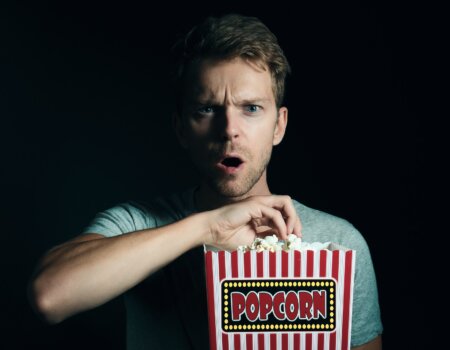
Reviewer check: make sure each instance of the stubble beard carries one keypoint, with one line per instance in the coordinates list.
(239, 185)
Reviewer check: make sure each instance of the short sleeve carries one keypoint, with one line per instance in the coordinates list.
(323, 227)
(366, 319)
(120, 219)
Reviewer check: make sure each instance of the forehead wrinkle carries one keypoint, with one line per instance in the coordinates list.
(224, 88)
(240, 97)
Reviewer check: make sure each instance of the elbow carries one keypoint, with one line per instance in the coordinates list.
(44, 301)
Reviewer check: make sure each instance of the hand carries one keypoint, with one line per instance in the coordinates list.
(240, 223)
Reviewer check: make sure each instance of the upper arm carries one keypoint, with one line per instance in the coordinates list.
(366, 318)
(374, 344)
(123, 218)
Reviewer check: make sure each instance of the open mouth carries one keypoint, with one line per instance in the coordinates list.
(231, 162)
(231, 165)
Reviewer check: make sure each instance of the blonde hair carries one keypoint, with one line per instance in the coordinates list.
(228, 37)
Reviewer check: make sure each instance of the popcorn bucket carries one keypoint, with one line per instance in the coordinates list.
(280, 300)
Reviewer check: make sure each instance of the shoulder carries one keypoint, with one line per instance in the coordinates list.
(162, 209)
(173, 206)
(324, 227)
(319, 226)
(135, 215)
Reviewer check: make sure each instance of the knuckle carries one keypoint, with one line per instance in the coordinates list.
(279, 215)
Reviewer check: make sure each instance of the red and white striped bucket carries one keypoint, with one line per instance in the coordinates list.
(280, 300)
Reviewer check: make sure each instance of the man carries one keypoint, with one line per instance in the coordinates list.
(230, 87)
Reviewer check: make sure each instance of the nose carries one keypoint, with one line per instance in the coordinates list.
(229, 128)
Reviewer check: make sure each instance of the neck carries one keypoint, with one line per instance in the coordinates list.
(208, 199)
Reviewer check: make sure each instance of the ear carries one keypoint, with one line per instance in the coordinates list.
(178, 126)
(280, 126)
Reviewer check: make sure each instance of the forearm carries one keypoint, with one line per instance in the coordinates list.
(78, 276)
(90, 270)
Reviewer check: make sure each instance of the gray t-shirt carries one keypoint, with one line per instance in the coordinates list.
(168, 309)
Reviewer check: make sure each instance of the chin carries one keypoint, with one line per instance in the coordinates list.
(231, 189)
(230, 192)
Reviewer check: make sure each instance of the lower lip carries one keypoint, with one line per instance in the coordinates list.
(229, 169)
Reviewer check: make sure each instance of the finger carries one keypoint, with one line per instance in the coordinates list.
(265, 222)
(298, 227)
(285, 205)
(267, 232)
(262, 222)
(276, 219)
(292, 217)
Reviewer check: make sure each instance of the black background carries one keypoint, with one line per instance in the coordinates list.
(85, 124)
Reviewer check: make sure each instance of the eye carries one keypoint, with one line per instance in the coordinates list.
(252, 108)
(205, 110)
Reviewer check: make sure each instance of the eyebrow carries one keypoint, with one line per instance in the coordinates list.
(249, 101)
(254, 101)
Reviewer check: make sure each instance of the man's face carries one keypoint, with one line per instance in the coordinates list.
(230, 123)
